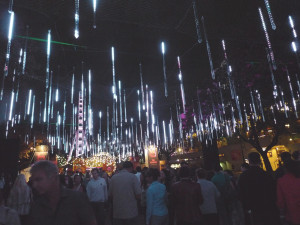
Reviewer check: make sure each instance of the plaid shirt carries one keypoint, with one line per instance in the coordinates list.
(186, 198)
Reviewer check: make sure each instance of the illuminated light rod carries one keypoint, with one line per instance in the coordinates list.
(48, 58)
(95, 8)
(11, 105)
(113, 73)
(29, 102)
(10, 31)
(208, 51)
(76, 31)
(267, 39)
(163, 51)
(294, 46)
(270, 14)
(197, 22)
(293, 26)
(181, 84)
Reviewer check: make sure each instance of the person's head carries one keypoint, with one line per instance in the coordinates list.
(77, 179)
(296, 155)
(218, 168)
(1, 197)
(209, 174)
(162, 176)
(184, 172)
(138, 169)
(152, 175)
(44, 177)
(184, 164)
(229, 173)
(127, 165)
(145, 169)
(293, 167)
(254, 159)
(244, 167)
(104, 175)
(285, 157)
(95, 173)
(201, 173)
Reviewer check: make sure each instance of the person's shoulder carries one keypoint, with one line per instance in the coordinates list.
(285, 178)
(176, 185)
(9, 211)
(115, 176)
(160, 185)
(102, 179)
(75, 195)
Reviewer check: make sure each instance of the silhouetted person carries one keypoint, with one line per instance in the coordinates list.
(281, 171)
(125, 190)
(56, 204)
(97, 194)
(186, 198)
(258, 195)
(157, 211)
(8, 216)
(296, 155)
(210, 195)
(288, 194)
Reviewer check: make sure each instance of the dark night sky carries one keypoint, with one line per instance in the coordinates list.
(136, 28)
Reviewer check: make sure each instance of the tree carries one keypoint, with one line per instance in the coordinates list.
(210, 154)
(167, 152)
(253, 138)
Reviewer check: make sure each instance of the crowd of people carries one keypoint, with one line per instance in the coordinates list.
(187, 196)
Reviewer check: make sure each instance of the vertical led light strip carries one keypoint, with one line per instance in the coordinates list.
(208, 51)
(197, 22)
(270, 14)
(76, 30)
(267, 39)
(181, 84)
(94, 8)
(164, 68)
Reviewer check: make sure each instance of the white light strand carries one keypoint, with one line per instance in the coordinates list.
(267, 39)
(208, 51)
(270, 14)
(76, 17)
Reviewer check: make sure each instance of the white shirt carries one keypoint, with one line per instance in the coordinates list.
(9, 216)
(2, 182)
(138, 176)
(124, 187)
(97, 190)
(210, 194)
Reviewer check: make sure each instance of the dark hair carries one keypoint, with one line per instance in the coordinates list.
(138, 169)
(218, 168)
(229, 172)
(168, 179)
(183, 163)
(95, 169)
(48, 167)
(245, 165)
(127, 165)
(184, 172)
(201, 173)
(254, 158)
(62, 178)
(154, 173)
(1, 196)
(295, 155)
(293, 167)
(285, 157)
(209, 174)
(78, 175)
